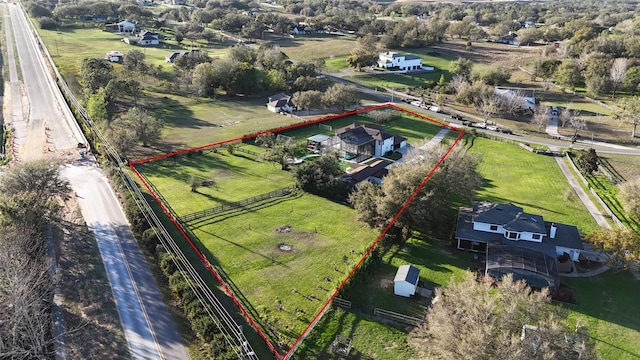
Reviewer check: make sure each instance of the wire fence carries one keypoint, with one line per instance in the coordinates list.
(212, 305)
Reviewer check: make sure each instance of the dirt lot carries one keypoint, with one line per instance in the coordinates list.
(489, 53)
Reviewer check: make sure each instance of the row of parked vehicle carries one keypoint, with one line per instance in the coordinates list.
(424, 105)
(479, 125)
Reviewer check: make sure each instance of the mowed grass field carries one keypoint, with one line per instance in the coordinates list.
(282, 289)
(607, 305)
(244, 242)
(320, 46)
(532, 181)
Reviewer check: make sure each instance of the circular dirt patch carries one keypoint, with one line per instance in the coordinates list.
(285, 247)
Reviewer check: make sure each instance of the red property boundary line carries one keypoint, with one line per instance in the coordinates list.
(289, 127)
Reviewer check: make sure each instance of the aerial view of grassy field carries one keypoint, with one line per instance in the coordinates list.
(282, 260)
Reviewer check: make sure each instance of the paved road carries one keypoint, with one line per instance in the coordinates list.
(46, 129)
(562, 143)
(148, 327)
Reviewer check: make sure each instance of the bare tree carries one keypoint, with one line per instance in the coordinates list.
(25, 320)
(577, 123)
(618, 72)
(630, 196)
(510, 103)
(469, 320)
(541, 117)
(486, 103)
(564, 115)
(456, 82)
(628, 111)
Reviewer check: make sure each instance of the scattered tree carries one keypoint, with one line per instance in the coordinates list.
(457, 175)
(470, 320)
(311, 99)
(320, 177)
(541, 117)
(630, 196)
(133, 59)
(621, 245)
(618, 72)
(147, 128)
(94, 74)
(341, 96)
(97, 106)
(587, 161)
(628, 111)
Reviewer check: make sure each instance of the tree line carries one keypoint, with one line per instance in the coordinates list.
(30, 201)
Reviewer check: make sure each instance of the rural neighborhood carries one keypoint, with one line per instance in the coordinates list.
(200, 179)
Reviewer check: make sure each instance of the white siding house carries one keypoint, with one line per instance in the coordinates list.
(280, 102)
(401, 61)
(406, 281)
(527, 96)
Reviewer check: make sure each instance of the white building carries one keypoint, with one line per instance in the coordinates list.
(527, 96)
(406, 281)
(401, 61)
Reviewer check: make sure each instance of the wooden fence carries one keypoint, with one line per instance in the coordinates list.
(234, 205)
(398, 317)
(345, 304)
(247, 151)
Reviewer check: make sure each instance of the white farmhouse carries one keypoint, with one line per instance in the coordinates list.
(401, 61)
(406, 280)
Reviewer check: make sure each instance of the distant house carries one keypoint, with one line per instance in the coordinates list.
(359, 142)
(179, 2)
(123, 27)
(517, 242)
(280, 102)
(509, 39)
(144, 38)
(406, 280)
(307, 30)
(401, 61)
(114, 56)
(171, 58)
(526, 95)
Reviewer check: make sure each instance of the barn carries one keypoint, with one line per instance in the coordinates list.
(406, 280)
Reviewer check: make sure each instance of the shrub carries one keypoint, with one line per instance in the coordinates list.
(47, 23)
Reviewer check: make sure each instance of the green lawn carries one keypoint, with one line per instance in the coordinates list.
(608, 304)
(371, 339)
(244, 242)
(237, 177)
(438, 264)
(608, 192)
(532, 181)
(386, 80)
(321, 46)
(337, 64)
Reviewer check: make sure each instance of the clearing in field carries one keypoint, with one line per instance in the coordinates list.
(282, 252)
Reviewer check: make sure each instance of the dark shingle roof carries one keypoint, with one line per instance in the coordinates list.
(511, 217)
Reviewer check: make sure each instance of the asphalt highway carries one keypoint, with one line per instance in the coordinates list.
(44, 128)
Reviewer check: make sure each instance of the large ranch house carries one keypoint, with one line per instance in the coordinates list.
(519, 243)
(394, 60)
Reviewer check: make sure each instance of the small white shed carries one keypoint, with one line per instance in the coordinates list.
(406, 280)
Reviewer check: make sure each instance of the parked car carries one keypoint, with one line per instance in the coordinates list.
(467, 123)
(481, 125)
(435, 108)
(416, 103)
(506, 131)
(456, 117)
